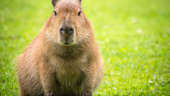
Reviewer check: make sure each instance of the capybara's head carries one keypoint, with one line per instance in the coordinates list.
(68, 25)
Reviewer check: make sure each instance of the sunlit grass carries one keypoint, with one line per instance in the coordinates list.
(133, 35)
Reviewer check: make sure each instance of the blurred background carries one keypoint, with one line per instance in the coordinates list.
(133, 35)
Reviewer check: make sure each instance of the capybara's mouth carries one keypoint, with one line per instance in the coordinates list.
(67, 43)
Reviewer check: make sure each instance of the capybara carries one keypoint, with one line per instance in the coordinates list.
(63, 60)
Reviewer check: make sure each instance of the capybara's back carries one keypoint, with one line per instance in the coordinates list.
(63, 60)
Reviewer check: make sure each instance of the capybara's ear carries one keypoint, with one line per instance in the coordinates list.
(54, 2)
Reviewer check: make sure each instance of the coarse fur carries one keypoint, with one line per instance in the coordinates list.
(49, 68)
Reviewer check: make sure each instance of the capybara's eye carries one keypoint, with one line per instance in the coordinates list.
(55, 13)
(79, 13)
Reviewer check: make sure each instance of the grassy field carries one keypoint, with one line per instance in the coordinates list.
(134, 39)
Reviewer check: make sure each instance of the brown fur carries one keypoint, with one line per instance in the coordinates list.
(48, 68)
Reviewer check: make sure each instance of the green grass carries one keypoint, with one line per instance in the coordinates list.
(134, 39)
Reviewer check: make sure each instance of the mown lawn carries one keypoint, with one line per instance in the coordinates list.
(134, 38)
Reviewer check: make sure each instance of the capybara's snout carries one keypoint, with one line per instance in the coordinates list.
(67, 32)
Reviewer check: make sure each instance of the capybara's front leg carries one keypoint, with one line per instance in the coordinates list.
(48, 80)
(89, 81)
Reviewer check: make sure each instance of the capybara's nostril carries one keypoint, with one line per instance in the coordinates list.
(62, 30)
(70, 31)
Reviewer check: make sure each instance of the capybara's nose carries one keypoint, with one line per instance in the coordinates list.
(66, 30)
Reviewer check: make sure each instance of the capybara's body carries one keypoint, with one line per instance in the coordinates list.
(63, 60)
